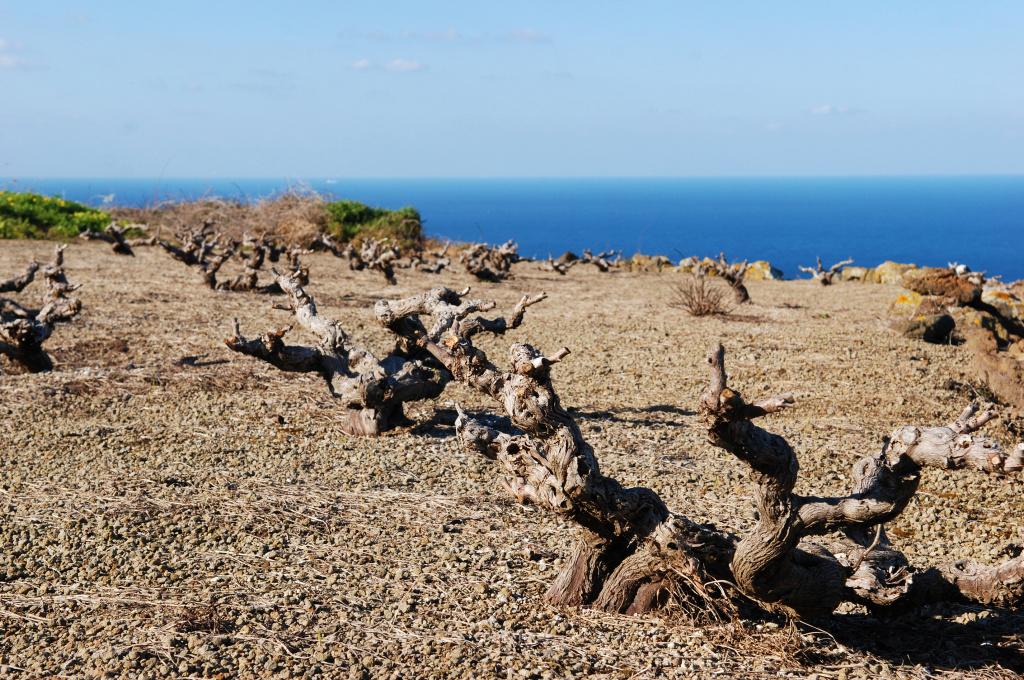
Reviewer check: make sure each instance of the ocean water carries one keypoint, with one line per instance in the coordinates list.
(929, 221)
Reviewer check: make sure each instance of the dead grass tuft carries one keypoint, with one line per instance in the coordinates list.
(296, 216)
(700, 296)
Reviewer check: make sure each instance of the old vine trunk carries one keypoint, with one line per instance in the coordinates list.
(633, 554)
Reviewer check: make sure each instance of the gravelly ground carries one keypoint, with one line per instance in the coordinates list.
(157, 520)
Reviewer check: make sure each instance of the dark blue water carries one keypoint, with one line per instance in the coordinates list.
(926, 220)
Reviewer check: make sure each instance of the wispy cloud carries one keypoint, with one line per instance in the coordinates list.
(773, 127)
(436, 36)
(830, 110)
(81, 18)
(393, 66)
(402, 66)
(527, 35)
(11, 63)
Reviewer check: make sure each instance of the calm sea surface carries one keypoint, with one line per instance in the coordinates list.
(926, 220)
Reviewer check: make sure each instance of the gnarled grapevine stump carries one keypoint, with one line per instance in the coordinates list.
(23, 331)
(491, 263)
(198, 251)
(733, 275)
(634, 554)
(114, 235)
(825, 276)
(261, 250)
(372, 389)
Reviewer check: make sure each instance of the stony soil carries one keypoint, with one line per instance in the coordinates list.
(171, 509)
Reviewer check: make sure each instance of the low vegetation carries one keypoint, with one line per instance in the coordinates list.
(30, 215)
(349, 220)
(297, 216)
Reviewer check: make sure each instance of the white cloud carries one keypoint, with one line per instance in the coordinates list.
(527, 35)
(829, 110)
(394, 66)
(9, 63)
(447, 34)
(773, 127)
(403, 66)
(81, 18)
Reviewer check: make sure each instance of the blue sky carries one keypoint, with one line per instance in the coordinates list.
(525, 89)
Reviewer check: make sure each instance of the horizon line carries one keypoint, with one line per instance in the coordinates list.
(339, 178)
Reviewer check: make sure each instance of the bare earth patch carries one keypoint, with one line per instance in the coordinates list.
(171, 509)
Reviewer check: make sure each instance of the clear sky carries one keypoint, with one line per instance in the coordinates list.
(510, 89)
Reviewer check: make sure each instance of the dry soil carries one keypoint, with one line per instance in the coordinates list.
(171, 509)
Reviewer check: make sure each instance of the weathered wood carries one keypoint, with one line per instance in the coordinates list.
(825, 276)
(380, 255)
(449, 312)
(374, 254)
(16, 284)
(144, 240)
(553, 265)
(325, 242)
(374, 390)
(491, 263)
(261, 250)
(441, 261)
(23, 331)
(600, 260)
(634, 554)
(733, 274)
(804, 579)
(198, 251)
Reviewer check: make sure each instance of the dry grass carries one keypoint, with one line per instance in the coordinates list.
(700, 296)
(294, 217)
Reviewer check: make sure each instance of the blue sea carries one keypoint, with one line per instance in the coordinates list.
(976, 220)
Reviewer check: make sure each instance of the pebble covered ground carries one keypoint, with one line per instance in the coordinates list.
(171, 509)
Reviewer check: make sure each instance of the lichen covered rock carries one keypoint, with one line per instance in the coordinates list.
(762, 270)
(934, 328)
(944, 283)
(887, 272)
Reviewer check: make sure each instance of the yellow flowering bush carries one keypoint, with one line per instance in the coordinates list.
(29, 215)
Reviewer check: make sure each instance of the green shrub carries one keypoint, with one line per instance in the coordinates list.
(29, 215)
(348, 220)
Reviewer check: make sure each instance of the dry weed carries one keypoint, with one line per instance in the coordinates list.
(699, 296)
(296, 216)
